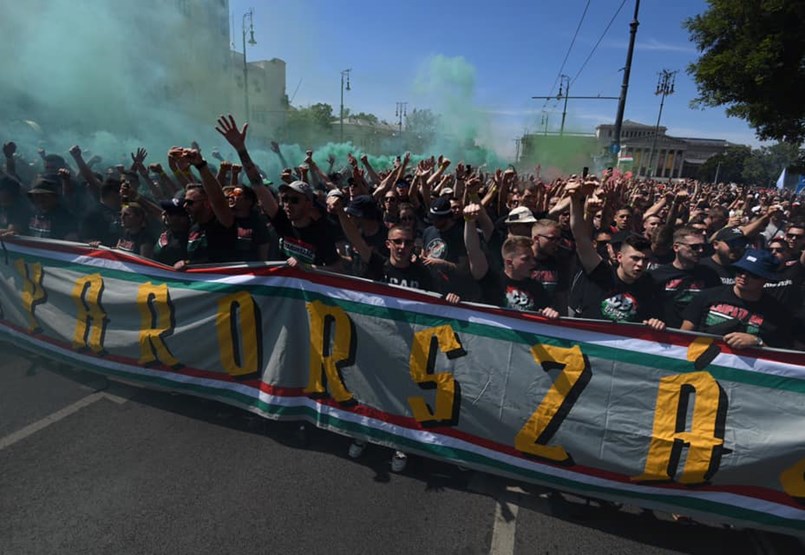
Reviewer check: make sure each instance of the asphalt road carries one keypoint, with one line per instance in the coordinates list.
(93, 466)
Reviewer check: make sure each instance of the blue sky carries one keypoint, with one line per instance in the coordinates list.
(487, 59)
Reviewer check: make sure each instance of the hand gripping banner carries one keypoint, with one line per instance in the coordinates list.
(668, 421)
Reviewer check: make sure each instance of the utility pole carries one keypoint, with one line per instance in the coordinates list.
(544, 122)
(250, 16)
(564, 93)
(344, 74)
(627, 70)
(665, 86)
(401, 111)
(517, 152)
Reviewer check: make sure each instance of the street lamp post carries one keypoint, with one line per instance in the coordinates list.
(401, 111)
(250, 16)
(665, 86)
(344, 75)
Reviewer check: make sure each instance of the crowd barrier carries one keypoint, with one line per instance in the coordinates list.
(662, 420)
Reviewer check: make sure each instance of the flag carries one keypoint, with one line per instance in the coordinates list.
(781, 180)
(800, 185)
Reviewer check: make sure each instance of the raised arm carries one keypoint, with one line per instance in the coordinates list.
(215, 194)
(229, 130)
(370, 171)
(577, 192)
(478, 263)
(336, 206)
(275, 148)
(9, 149)
(85, 171)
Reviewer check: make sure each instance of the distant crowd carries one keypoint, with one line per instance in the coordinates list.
(719, 258)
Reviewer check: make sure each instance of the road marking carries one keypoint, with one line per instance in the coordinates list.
(504, 528)
(39, 425)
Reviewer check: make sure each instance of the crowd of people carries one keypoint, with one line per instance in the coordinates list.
(724, 259)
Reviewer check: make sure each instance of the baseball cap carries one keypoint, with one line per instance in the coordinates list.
(363, 206)
(440, 207)
(45, 185)
(520, 215)
(299, 187)
(760, 263)
(730, 235)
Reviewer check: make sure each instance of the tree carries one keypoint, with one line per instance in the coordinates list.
(309, 126)
(421, 127)
(729, 165)
(753, 62)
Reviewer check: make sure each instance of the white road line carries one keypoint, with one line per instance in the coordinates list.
(31, 429)
(503, 530)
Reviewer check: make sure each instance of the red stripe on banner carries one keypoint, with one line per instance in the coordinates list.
(410, 423)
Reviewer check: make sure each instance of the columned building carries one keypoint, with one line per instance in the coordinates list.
(660, 155)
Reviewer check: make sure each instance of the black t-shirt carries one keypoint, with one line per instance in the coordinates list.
(17, 214)
(677, 288)
(132, 241)
(554, 274)
(211, 242)
(56, 224)
(725, 273)
(445, 245)
(788, 287)
(252, 233)
(720, 311)
(312, 244)
(101, 223)
(415, 276)
(170, 248)
(505, 292)
(604, 296)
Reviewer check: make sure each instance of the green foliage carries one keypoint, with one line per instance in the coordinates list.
(753, 62)
(760, 166)
(308, 126)
(421, 127)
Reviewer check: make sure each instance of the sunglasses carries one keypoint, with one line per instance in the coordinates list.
(390, 199)
(189, 202)
(694, 246)
(776, 249)
(290, 200)
(402, 242)
(747, 274)
(235, 193)
(794, 235)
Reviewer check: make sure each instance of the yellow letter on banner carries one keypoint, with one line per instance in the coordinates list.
(793, 480)
(557, 403)
(239, 334)
(33, 293)
(156, 316)
(427, 344)
(705, 438)
(331, 347)
(91, 318)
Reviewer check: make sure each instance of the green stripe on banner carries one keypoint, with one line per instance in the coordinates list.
(335, 423)
(612, 354)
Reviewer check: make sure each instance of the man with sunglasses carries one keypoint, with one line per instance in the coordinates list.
(729, 245)
(305, 235)
(213, 235)
(743, 313)
(684, 278)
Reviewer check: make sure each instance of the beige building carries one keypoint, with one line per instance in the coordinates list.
(268, 103)
(663, 156)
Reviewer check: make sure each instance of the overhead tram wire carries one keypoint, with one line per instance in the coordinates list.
(606, 30)
(569, 48)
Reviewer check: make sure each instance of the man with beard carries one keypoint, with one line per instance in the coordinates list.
(552, 263)
(623, 293)
(684, 278)
(729, 245)
(213, 234)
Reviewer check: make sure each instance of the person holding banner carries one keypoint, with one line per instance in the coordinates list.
(745, 314)
(621, 293)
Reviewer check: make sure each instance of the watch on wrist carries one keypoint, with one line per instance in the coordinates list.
(758, 341)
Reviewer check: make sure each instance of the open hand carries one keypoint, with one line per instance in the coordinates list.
(229, 129)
